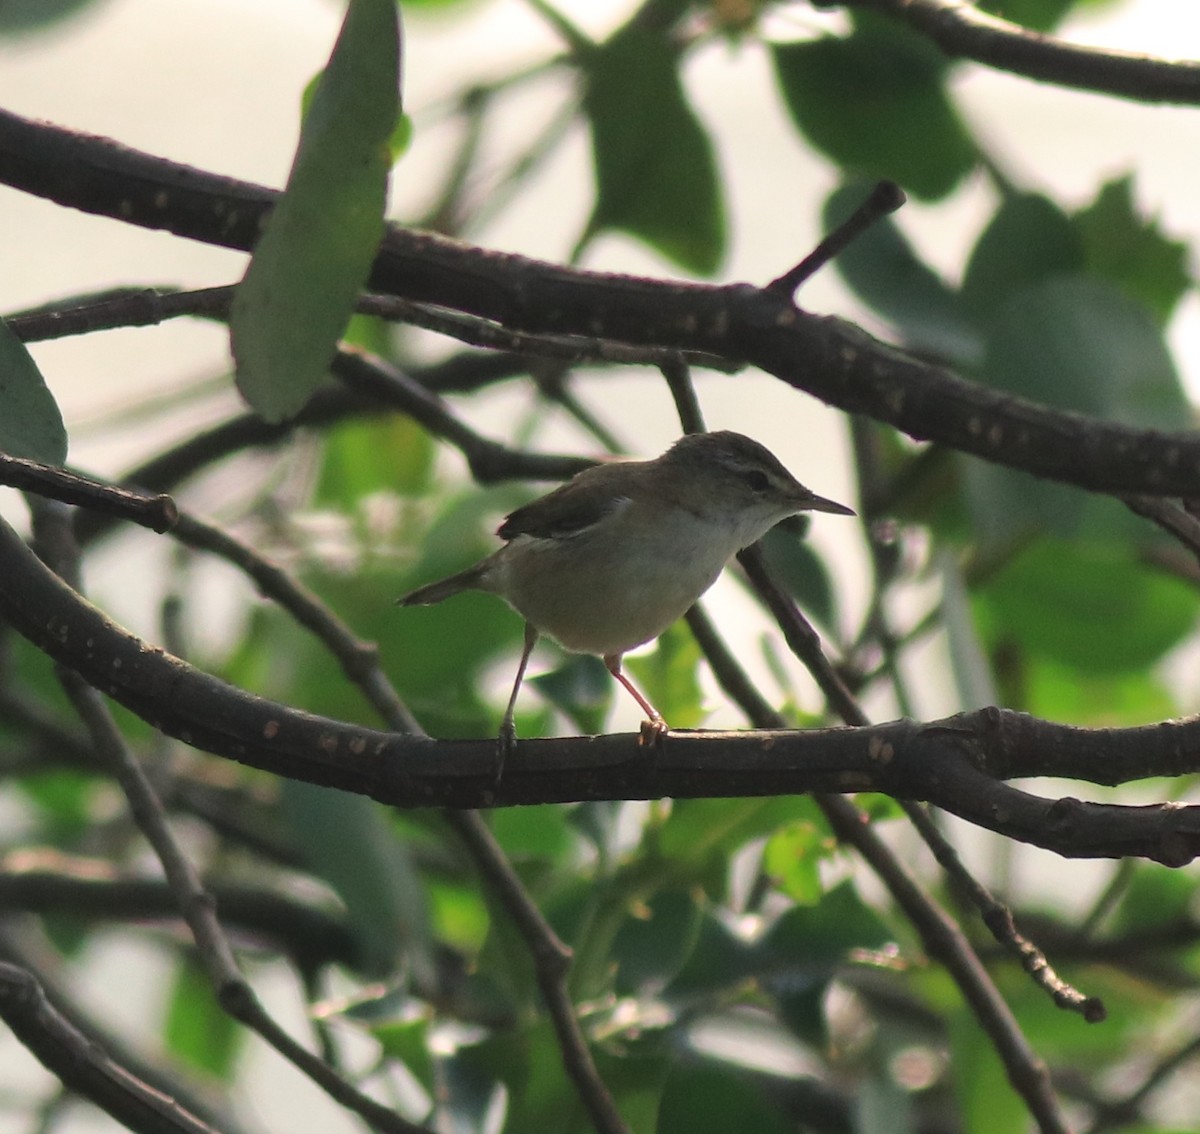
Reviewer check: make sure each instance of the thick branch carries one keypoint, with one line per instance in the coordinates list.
(942, 762)
(827, 357)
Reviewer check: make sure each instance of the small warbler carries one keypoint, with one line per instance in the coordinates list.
(611, 558)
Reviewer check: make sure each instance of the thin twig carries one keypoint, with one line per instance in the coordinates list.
(232, 991)
(156, 512)
(886, 197)
(359, 659)
(551, 958)
(151, 306)
(82, 1065)
(999, 919)
(942, 937)
(962, 30)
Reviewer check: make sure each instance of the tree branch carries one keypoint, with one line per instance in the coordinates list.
(82, 1065)
(949, 763)
(827, 357)
(961, 30)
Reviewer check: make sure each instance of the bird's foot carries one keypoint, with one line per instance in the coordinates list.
(652, 733)
(506, 745)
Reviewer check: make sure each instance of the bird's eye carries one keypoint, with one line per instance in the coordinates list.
(757, 480)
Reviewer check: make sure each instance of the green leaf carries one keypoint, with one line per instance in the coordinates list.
(381, 454)
(801, 571)
(651, 948)
(1038, 15)
(1131, 251)
(1058, 693)
(1078, 343)
(793, 858)
(706, 1100)
(988, 1102)
(30, 424)
(1027, 240)
(347, 840)
(803, 950)
(1091, 607)
(533, 833)
(197, 1029)
(875, 103)
(699, 829)
(1154, 900)
(656, 174)
(581, 688)
(885, 272)
(718, 960)
(320, 239)
(668, 676)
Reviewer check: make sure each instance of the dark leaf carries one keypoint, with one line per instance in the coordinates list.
(875, 103)
(656, 174)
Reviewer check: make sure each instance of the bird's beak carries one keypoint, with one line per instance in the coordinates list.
(811, 502)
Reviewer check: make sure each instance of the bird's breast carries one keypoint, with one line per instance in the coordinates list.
(606, 591)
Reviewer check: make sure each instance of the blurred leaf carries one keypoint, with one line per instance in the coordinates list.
(802, 951)
(197, 1029)
(1091, 608)
(320, 239)
(398, 141)
(1131, 251)
(1038, 15)
(30, 424)
(64, 800)
(699, 830)
(718, 961)
(1154, 898)
(968, 660)
(581, 688)
(885, 272)
(1028, 240)
(707, 1100)
(881, 1106)
(989, 1104)
(406, 1040)
(347, 841)
(650, 948)
(875, 103)
(533, 832)
(1059, 693)
(378, 454)
(17, 16)
(793, 858)
(1077, 343)
(656, 174)
(459, 914)
(801, 572)
(669, 677)
(529, 1063)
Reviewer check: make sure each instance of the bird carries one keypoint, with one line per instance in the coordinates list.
(612, 557)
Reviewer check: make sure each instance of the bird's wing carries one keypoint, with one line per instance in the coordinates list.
(565, 512)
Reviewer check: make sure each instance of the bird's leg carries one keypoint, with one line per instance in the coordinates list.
(654, 728)
(508, 731)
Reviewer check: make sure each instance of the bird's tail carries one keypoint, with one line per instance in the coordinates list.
(468, 580)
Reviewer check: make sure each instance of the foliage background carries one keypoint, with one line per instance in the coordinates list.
(229, 103)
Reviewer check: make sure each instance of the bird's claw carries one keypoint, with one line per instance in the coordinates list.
(506, 745)
(652, 733)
